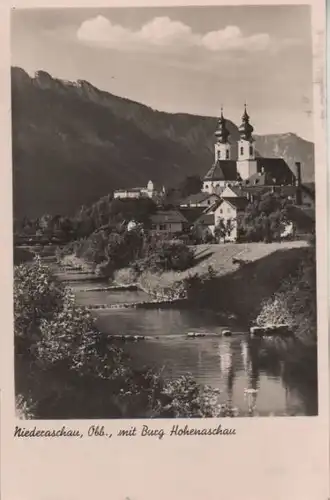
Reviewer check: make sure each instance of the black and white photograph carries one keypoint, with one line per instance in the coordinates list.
(164, 212)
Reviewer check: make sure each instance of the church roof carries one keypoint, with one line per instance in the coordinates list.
(222, 170)
(271, 171)
(246, 129)
(222, 133)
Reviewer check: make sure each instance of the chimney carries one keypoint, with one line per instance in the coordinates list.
(298, 184)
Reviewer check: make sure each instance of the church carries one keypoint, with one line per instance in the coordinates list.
(240, 165)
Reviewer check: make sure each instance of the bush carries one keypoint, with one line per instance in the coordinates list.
(165, 255)
(113, 250)
(184, 398)
(295, 302)
(126, 276)
(37, 296)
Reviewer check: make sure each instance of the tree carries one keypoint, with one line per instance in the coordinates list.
(224, 229)
(191, 185)
(265, 218)
(65, 225)
(36, 296)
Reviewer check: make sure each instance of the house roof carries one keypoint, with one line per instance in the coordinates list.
(169, 216)
(196, 198)
(309, 187)
(238, 202)
(303, 217)
(264, 188)
(206, 220)
(222, 170)
(288, 190)
(238, 190)
(192, 213)
(213, 207)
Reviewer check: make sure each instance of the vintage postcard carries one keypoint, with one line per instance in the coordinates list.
(166, 254)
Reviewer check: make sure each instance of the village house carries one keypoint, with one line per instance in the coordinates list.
(301, 196)
(199, 200)
(204, 226)
(168, 221)
(227, 213)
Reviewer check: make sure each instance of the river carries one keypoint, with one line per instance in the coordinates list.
(248, 372)
(231, 364)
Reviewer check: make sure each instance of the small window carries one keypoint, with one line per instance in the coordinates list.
(251, 150)
(219, 155)
(242, 150)
(162, 227)
(256, 181)
(227, 154)
(206, 186)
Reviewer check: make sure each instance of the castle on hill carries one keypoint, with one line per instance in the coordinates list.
(148, 191)
(248, 169)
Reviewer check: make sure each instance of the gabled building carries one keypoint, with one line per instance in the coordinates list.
(233, 192)
(227, 213)
(168, 221)
(192, 213)
(205, 225)
(199, 200)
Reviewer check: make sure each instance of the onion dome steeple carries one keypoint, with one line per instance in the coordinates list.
(246, 129)
(222, 133)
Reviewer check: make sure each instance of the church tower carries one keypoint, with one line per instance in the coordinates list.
(246, 163)
(222, 150)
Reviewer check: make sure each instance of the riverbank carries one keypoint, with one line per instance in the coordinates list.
(236, 279)
(240, 280)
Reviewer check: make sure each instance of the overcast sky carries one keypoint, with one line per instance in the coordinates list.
(189, 59)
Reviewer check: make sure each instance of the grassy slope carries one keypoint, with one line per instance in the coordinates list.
(240, 290)
(220, 257)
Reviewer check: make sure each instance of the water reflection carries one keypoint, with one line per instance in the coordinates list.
(256, 376)
(221, 364)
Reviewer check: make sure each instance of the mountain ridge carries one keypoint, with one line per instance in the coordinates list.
(67, 131)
